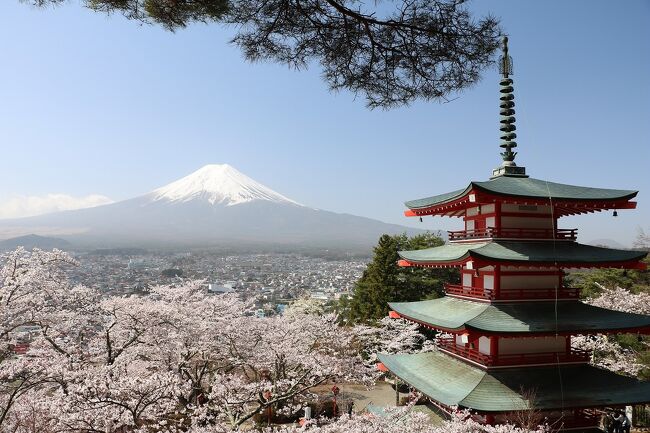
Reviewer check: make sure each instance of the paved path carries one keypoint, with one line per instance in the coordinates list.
(382, 395)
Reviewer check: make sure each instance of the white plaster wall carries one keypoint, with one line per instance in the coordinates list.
(471, 211)
(525, 209)
(484, 345)
(508, 346)
(488, 208)
(529, 282)
(527, 223)
(526, 269)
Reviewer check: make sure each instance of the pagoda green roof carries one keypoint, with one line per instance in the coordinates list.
(527, 187)
(518, 317)
(456, 383)
(522, 251)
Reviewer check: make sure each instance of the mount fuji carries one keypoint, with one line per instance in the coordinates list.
(214, 206)
(218, 184)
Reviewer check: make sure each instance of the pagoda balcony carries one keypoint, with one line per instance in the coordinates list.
(569, 420)
(470, 292)
(513, 233)
(576, 419)
(511, 294)
(573, 356)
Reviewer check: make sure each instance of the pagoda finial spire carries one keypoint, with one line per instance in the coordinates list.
(507, 122)
(505, 61)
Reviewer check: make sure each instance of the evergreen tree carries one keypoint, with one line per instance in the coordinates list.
(383, 281)
(392, 53)
(425, 283)
(378, 283)
(591, 281)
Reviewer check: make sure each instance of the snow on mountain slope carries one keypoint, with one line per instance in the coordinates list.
(218, 184)
(214, 206)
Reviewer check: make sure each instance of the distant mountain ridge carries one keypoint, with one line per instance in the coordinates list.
(215, 205)
(609, 243)
(34, 241)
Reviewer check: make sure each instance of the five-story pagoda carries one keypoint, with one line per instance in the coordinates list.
(512, 317)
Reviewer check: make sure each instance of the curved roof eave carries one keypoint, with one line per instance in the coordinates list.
(534, 189)
(437, 199)
(443, 313)
(453, 382)
(444, 253)
(539, 188)
(455, 314)
(546, 252)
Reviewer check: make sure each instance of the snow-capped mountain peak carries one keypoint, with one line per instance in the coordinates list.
(218, 184)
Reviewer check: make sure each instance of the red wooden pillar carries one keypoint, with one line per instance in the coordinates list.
(494, 347)
(477, 280)
(497, 281)
(497, 216)
(473, 341)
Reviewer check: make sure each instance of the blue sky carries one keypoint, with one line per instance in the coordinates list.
(91, 104)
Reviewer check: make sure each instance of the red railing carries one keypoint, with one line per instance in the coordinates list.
(574, 355)
(581, 418)
(450, 345)
(569, 420)
(561, 293)
(472, 292)
(512, 294)
(515, 233)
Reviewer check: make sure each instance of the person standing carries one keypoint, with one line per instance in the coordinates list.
(626, 424)
(608, 423)
(618, 422)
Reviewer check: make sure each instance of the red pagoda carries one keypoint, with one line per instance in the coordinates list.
(512, 318)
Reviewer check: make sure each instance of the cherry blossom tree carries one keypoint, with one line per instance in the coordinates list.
(607, 352)
(175, 359)
(620, 299)
(392, 336)
(175, 355)
(642, 240)
(399, 420)
(30, 285)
